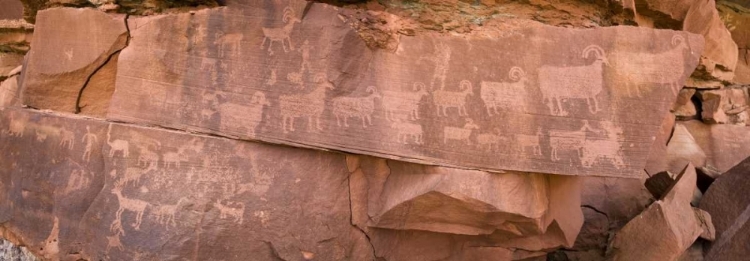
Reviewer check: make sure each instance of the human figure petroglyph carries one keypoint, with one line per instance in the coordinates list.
(134, 205)
(524, 141)
(113, 241)
(491, 140)
(305, 49)
(395, 101)
(608, 149)
(117, 145)
(441, 58)
(226, 211)
(362, 107)
(460, 134)
(447, 99)
(67, 138)
(281, 34)
(88, 139)
(405, 130)
(568, 140)
(232, 40)
(505, 95)
(308, 105)
(575, 82)
(165, 213)
(645, 68)
(16, 127)
(245, 115)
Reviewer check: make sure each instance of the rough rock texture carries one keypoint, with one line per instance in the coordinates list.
(736, 17)
(729, 205)
(683, 149)
(61, 63)
(665, 229)
(9, 252)
(443, 110)
(658, 160)
(727, 105)
(724, 145)
(97, 191)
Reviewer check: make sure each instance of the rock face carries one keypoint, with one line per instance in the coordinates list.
(729, 207)
(724, 145)
(424, 103)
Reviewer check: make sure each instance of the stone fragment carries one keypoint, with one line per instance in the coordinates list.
(70, 46)
(659, 183)
(665, 229)
(430, 101)
(88, 189)
(725, 145)
(657, 157)
(719, 58)
(607, 195)
(684, 108)
(443, 210)
(728, 203)
(683, 149)
(709, 232)
(727, 105)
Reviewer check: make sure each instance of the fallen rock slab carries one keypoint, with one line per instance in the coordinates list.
(729, 206)
(269, 74)
(725, 145)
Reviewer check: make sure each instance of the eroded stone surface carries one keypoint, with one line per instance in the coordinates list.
(724, 145)
(110, 191)
(422, 103)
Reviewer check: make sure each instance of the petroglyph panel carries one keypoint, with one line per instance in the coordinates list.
(517, 102)
(129, 200)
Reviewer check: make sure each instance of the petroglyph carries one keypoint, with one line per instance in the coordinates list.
(362, 107)
(40, 136)
(568, 140)
(574, 82)
(491, 141)
(505, 95)
(608, 149)
(232, 41)
(441, 58)
(248, 116)
(89, 139)
(396, 102)
(272, 80)
(305, 49)
(448, 99)
(16, 127)
(165, 213)
(117, 145)
(134, 205)
(113, 241)
(406, 130)
(308, 105)
(67, 138)
(524, 141)
(280, 34)
(226, 211)
(461, 134)
(644, 68)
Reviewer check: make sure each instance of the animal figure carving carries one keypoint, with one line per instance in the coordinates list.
(524, 141)
(248, 116)
(166, 213)
(454, 133)
(232, 212)
(16, 128)
(308, 105)
(231, 40)
(608, 149)
(117, 145)
(114, 241)
(490, 140)
(644, 68)
(362, 107)
(41, 136)
(408, 102)
(448, 99)
(405, 130)
(146, 157)
(132, 176)
(505, 95)
(281, 34)
(66, 139)
(575, 82)
(134, 205)
(566, 140)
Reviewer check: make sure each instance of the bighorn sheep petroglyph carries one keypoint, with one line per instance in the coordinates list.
(117, 145)
(362, 107)
(524, 141)
(463, 133)
(490, 140)
(281, 34)
(405, 130)
(231, 40)
(135, 205)
(575, 82)
(241, 115)
(395, 102)
(308, 105)
(505, 95)
(644, 68)
(448, 99)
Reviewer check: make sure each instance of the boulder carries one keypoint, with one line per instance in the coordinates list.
(665, 229)
(683, 149)
(727, 105)
(684, 108)
(9, 92)
(736, 17)
(657, 157)
(430, 101)
(84, 188)
(724, 145)
(729, 206)
(62, 62)
(719, 58)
